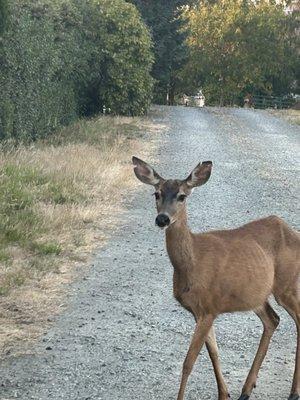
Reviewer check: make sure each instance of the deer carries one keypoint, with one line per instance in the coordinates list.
(226, 271)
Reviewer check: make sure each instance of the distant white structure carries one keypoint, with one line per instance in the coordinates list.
(199, 99)
(195, 101)
(185, 100)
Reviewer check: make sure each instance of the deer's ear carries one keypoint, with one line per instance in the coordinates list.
(199, 175)
(145, 173)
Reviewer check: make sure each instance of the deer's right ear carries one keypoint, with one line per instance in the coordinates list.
(199, 175)
(145, 173)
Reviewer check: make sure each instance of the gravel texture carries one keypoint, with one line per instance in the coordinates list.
(123, 336)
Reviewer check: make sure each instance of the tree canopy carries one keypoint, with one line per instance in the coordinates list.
(239, 46)
(61, 59)
(169, 45)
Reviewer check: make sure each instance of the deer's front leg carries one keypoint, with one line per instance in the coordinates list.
(212, 348)
(202, 329)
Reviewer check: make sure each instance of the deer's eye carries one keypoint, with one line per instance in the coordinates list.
(157, 195)
(181, 197)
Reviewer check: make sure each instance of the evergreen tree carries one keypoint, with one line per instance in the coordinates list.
(170, 50)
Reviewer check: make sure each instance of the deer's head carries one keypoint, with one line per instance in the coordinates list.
(170, 194)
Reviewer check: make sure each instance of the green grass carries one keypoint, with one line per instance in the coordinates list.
(47, 248)
(21, 188)
(4, 256)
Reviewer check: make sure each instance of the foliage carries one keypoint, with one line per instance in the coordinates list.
(169, 46)
(3, 15)
(120, 45)
(64, 58)
(35, 99)
(238, 47)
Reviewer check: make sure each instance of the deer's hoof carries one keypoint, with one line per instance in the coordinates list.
(294, 396)
(244, 397)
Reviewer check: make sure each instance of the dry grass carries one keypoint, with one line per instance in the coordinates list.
(292, 116)
(59, 199)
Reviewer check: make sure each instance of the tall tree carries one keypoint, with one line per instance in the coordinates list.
(239, 46)
(170, 50)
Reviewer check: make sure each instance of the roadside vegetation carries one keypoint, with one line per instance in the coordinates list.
(64, 166)
(60, 198)
(55, 193)
(64, 59)
(290, 115)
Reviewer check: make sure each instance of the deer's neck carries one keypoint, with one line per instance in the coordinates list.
(180, 244)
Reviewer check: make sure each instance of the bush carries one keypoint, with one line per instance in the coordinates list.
(63, 59)
(37, 97)
(120, 58)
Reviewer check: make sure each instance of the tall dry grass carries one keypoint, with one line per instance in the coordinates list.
(59, 199)
(290, 115)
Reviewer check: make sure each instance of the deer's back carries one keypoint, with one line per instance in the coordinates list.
(240, 267)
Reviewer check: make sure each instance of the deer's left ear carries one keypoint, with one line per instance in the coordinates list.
(145, 173)
(199, 175)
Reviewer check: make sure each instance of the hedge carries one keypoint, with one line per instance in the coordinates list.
(62, 59)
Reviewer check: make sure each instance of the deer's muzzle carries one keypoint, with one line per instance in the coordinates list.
(162, 220)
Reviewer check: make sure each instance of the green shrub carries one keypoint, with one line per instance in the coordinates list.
(62, 59)
(34, 101)
(120, 58)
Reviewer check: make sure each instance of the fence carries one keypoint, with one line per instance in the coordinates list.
(260, 101)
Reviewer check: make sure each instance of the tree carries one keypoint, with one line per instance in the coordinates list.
(239, 46)
(169, 45)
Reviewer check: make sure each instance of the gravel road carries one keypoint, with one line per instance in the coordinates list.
(123, 336)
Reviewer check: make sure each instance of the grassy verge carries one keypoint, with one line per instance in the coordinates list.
(292, 116)
(59, 199)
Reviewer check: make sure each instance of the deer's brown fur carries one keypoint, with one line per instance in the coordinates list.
(226, 271)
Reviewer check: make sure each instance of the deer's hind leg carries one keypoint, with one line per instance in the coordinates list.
(270, 321)
(290, 301)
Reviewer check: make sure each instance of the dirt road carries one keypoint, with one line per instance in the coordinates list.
(123, 336)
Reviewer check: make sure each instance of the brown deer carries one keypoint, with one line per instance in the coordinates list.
(226, 271)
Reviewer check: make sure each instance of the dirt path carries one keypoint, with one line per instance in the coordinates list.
(123, 336)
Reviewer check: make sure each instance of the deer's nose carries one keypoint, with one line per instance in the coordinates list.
(162, 220)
